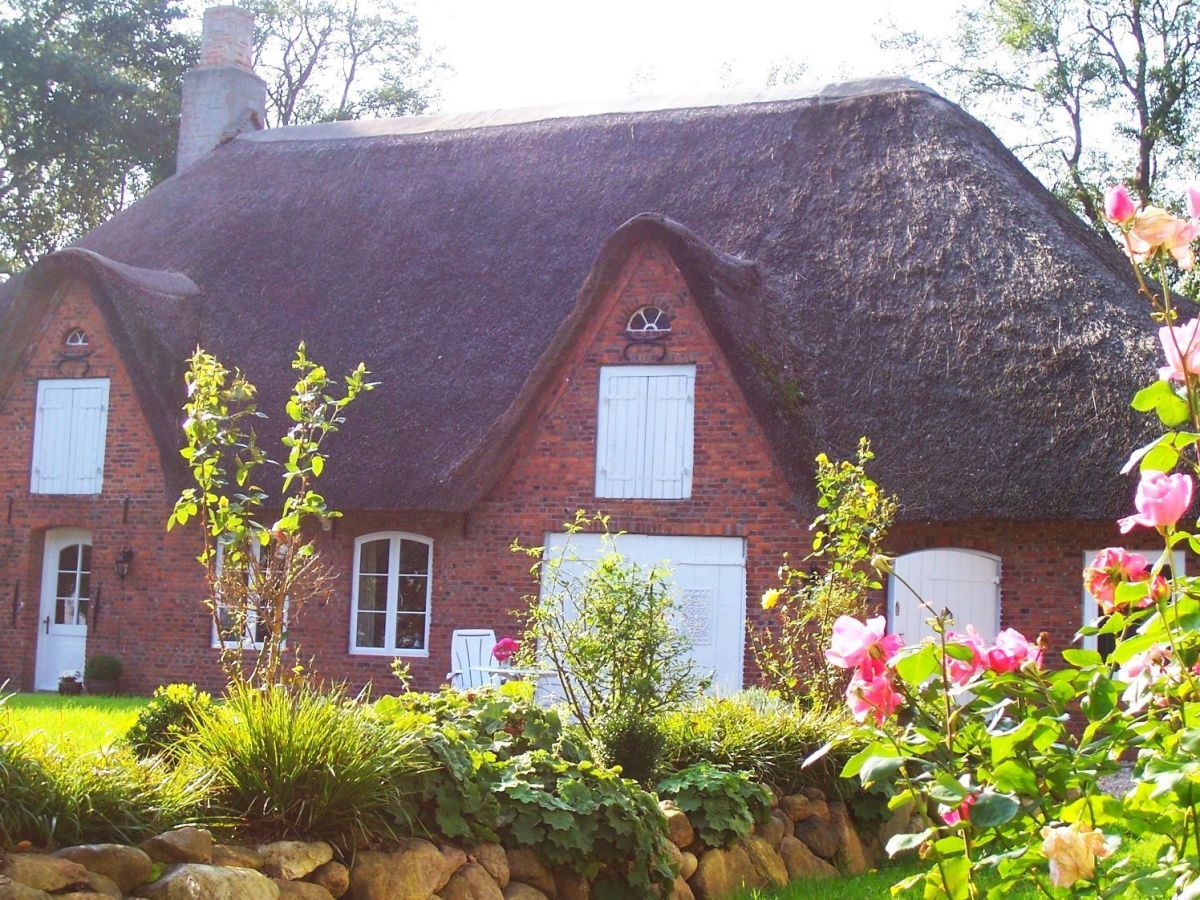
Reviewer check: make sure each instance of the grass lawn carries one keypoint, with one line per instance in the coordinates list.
(86, 723)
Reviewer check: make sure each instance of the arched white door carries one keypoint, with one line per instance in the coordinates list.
(966, 582)
(66, 594)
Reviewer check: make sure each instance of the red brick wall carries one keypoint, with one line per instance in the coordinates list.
(155, 620)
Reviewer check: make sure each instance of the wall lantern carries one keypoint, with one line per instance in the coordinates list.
(124, 563)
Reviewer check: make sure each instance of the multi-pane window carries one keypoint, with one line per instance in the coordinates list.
(390, 604)
(245, 627)
(68, 436)
(73, 589)
(644, 434)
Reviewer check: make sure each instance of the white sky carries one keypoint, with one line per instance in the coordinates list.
(537, 52)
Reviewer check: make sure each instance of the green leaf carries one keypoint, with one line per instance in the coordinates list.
(880, 768)
(1014, 775)
(1082, 658)
(1163, 458)
(914, 668)
(992, 809)
(898, 843)
(1101, 697)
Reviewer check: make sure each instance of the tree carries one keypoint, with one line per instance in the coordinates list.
(326, 60)
(89, 114)
(1100, 90)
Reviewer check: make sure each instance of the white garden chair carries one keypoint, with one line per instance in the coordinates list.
(470, 655)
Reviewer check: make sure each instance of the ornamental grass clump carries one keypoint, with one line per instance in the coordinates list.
(301, 762)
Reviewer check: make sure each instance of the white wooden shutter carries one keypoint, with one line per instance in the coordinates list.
(645, 432)
(69, 436)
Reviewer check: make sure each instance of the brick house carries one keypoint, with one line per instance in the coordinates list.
(662, 312)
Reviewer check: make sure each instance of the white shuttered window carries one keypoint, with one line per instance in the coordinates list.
(68, 436)
(644, 433)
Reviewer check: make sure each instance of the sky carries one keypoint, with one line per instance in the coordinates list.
(536, 52)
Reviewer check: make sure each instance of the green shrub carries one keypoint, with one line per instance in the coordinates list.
(723, 806)
(757, 732)
(102, 667)
(53, 797)
(170, 715)
(588, 819)
(631, 741)
(302, 762)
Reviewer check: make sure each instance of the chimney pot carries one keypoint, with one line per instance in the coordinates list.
(227, 37)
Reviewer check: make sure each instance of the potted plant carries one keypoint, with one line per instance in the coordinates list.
(102, 674)
(70, 682)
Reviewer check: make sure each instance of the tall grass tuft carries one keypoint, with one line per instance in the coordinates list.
(290, 762)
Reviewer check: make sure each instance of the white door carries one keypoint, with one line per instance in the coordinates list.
(708, 583)
(964, 581)
(66, 590)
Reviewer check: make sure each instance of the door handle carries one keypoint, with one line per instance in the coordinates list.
(46, 623)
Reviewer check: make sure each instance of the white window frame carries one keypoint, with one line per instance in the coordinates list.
(1091, 609)
(393, 590)
(39, 450)
(603, 489)
(246, 643)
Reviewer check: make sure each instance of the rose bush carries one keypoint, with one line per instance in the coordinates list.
(1004, 758)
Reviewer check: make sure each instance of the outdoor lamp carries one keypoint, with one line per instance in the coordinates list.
(124, 563)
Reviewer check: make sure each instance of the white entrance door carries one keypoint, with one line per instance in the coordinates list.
(66, 589)
(708, 583)
(964, 581)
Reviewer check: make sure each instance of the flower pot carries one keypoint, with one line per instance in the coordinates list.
(101, 685)
(70, 687)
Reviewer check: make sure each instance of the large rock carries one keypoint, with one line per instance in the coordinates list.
(573, 886)
(300, 890)
(183, 845)
(192, 881)
(43, 873)
(687, 864)
(679, 826)
(798, 806)
(126, 866)
(294, 859)
(789, 827)
(742, 868)
(680, 890)
(332, 876)
(526, 866)
(104, 886)
(519, 890)
(82, 895)
(413, 872)
(801, 862)
(493, 858)
(14, 890)
(237, 856)
(721, 872)
(771, 831)
(471, 882)
(819, 835)
(851, 856)
(767, 862)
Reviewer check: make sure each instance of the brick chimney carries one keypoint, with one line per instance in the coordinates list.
(222, 96)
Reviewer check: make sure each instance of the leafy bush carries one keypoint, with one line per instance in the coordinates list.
(102, 667)
(723, 806)
(170, 715)
(605, 629)
(301, 762)
(631, 741)
(50, 796)
(757, 732)
(586, 818)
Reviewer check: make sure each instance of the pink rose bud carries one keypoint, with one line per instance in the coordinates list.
(1118, 205)
(853, 642)
(1161, 500)
(875, 699)
(952, 815)
(1181, 348)
(1113, 566)
(1011, 650)
(1193, 201)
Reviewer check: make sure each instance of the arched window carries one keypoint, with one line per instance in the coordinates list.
(389, 612)
(649, 320)
(967, 582)
(77, 337)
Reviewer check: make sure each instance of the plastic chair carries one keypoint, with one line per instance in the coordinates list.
(471, 651)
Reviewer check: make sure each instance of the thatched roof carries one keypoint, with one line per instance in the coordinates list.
(871, 258)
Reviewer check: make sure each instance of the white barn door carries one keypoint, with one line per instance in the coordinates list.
(708, 585)
(966, 582)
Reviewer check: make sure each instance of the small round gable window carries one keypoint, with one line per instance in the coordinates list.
(649, 320)
(76, 337)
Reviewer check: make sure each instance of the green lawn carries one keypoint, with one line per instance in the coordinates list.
(86, 723)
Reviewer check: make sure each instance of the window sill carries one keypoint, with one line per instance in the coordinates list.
(382, 651)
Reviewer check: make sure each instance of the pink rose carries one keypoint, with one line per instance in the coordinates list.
(952, 815)
(1161, 500)
(505, 649)
(1111, 567)
(1011, 651)
(1156, 229)
(1118, 205)
(875, 698)
(854, 643)
(1193, 202)
(1181, 347)
(963, 670)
